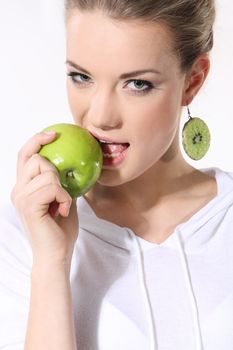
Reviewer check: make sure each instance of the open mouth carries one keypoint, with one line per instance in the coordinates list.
(112, 148)
(113, 152)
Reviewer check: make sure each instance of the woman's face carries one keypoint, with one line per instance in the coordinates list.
(126, 88)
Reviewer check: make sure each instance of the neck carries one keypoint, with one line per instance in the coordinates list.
(163, 180)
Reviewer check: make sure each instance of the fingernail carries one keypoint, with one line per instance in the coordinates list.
(67, 211)
(49, 133)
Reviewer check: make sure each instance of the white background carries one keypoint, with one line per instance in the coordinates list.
(33, 82)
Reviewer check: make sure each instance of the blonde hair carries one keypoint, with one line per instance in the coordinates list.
(190, 21)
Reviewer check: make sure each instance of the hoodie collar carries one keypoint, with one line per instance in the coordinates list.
(121, 237)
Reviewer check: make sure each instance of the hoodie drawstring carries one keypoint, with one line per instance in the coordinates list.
(146, 296)
(193, 302)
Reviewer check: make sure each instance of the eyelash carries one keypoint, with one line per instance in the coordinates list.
(148, 84)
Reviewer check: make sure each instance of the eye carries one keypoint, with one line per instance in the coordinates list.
(79, 78)
(140, 86)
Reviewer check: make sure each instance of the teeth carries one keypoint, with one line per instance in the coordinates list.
(112, 155)
(102, 141)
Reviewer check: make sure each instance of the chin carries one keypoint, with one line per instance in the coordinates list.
(112, 178)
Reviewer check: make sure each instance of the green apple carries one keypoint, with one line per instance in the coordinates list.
(77, 156)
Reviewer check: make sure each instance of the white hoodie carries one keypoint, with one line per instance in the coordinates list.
(132, 294)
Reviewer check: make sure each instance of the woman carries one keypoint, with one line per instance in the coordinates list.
(144, 259)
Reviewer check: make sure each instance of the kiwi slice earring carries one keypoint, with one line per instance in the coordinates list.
(195, 137)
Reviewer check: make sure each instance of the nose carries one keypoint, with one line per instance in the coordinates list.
(103, 112)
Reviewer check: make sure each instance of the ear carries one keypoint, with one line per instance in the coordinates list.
(195, 78)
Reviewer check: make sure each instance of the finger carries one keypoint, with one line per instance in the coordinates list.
(36, 204)
(32, 146)
(73, 219)
(53, 194)
(35, 166)
(48, 177)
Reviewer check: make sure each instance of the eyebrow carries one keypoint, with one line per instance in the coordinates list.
(122, 76)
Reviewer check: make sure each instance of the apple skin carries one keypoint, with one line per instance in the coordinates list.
(77, 156)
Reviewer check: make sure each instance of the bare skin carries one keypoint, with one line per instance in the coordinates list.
(151, 191)
(156, 219)
(50, 220)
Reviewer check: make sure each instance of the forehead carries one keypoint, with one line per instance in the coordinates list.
(94, 35)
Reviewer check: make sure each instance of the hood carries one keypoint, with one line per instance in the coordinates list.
(188, 238)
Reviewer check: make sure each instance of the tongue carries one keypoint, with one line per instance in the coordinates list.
(113, 147)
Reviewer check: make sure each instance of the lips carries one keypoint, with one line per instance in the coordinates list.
(109, 145)
(113, 151)
(104, 139)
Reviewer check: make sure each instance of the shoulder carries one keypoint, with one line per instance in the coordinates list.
(224, 180)
(224, 199)
(223, 204)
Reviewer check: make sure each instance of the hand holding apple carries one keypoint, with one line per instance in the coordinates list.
(77, 156)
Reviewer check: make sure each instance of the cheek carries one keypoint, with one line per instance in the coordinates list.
(77, 102)
(157, 120)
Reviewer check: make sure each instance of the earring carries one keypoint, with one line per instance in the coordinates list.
(195, 137)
